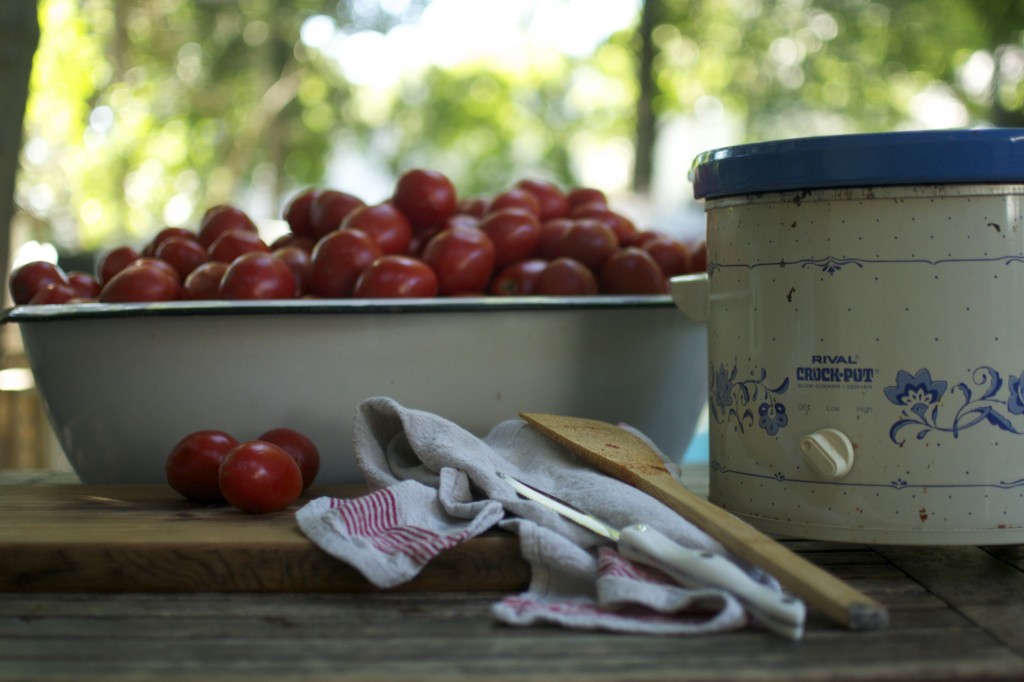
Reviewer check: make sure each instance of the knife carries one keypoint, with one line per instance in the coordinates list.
(779, 612)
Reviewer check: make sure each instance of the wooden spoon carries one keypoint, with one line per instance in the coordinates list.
(627, 457)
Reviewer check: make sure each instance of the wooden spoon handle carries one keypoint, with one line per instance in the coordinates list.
(820, 589)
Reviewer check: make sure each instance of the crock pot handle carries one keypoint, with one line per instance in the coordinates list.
(690, 293)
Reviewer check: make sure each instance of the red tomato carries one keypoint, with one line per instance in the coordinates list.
(158, 263)
(632, 271)
(699, 255)
(298, 212)
(516, 198)
(585, 195)
(551, 232)
(671, 255)
(461, 220)
(84, 284)
(474, 206)
(164, 234)
(301, 264)
(54, 292)
(515, 233)
(203, 283)
(623, 227)
(645, 236)
(518, 279)
(426, 197)
(184, 254)
(301, 449)
(233, 243)
(385, 225)
(114, 261)
(257, 276)
(259, 477)
(142, 281)
(338, 260)
(28, 279)
(193, 465)
(463, 259)
(566, 277)
(588, 241)
(553, 202)
(329, 209)
(397, 276)
(290, 239)
(219, 219)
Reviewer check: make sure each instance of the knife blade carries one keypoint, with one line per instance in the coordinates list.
(779, 612)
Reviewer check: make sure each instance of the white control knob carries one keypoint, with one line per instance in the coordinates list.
(829, 451)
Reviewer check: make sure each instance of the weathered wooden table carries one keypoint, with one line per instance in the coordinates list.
(94, 602)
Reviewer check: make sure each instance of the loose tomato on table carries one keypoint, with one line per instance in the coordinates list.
(259, 477)
(193, 465)
(397, 276)
(300, 447)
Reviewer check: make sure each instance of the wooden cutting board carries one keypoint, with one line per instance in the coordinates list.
(144, 538)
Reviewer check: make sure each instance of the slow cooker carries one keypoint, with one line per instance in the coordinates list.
(864, 299)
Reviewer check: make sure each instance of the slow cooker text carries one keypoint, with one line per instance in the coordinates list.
(857, 375)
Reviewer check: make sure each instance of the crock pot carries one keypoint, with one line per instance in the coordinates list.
(865, 315)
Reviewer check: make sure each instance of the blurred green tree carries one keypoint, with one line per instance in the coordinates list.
(145, 113)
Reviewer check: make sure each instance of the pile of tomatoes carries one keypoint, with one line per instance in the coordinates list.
(530, 239)
(255, 476)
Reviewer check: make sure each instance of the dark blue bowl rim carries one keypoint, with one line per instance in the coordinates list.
(931, 157)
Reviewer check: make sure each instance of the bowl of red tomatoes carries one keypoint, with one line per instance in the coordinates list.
(536, 299)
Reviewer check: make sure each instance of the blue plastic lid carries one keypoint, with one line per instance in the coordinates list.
(934, 157)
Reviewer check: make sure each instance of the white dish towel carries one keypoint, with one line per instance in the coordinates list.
(435, 485)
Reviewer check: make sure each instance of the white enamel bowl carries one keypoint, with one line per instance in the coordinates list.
(123, 383)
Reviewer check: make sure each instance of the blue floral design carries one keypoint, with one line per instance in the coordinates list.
(772, 417)
(917, 391)
(921, 398)
(733, 400)
(1015, 403)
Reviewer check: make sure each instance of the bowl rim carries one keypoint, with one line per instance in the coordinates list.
(94, 311)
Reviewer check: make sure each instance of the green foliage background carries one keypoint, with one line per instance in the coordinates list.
(139, 107)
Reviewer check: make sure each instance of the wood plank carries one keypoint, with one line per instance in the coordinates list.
(103, 538)
(971, 580)
(441, 636)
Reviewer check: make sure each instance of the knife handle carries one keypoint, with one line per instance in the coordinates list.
(779, 612)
